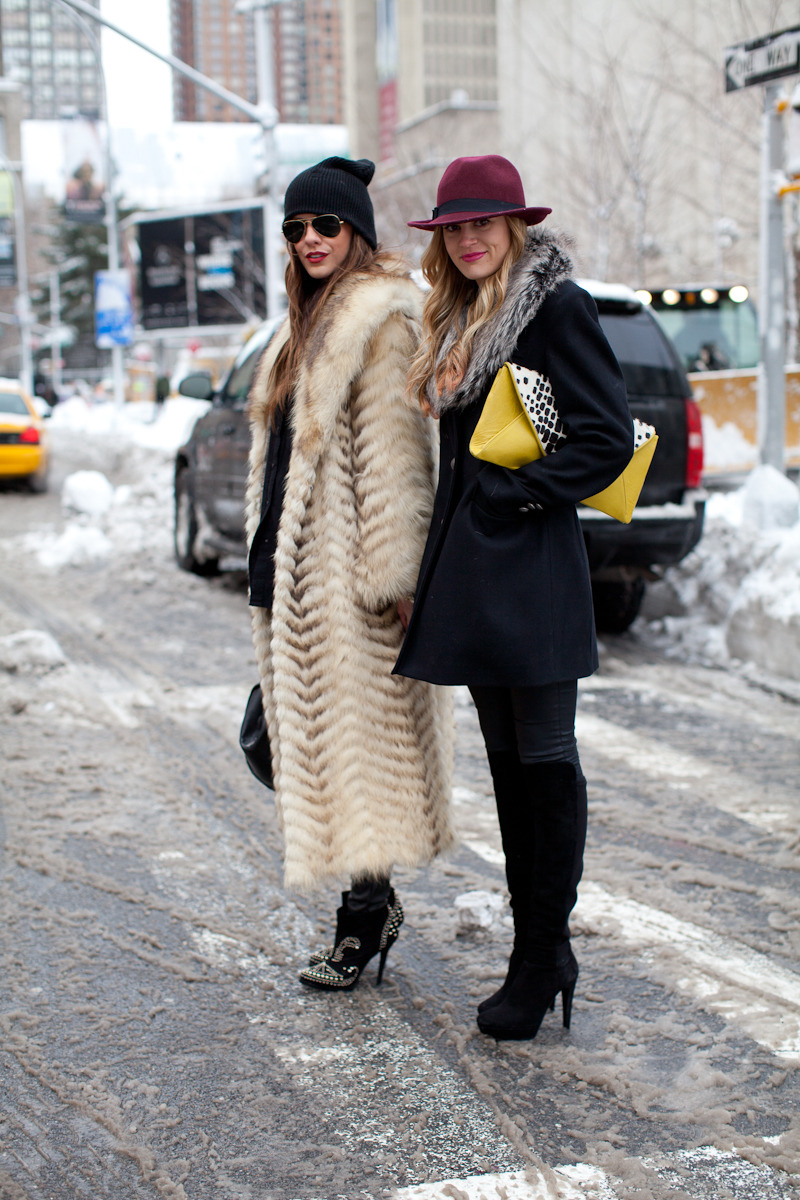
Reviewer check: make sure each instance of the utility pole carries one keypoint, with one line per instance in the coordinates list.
(771, 405)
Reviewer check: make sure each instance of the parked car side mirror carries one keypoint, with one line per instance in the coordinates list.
(198, 387)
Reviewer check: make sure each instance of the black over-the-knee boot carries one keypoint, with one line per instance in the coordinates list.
(557, 796)
(516, 830)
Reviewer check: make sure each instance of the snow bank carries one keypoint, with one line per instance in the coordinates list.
(75, 547)
(103, 521)
(737, 596)
(724, 446)
(140, 423)
(30, 650)
(87, 492)
(770, 500)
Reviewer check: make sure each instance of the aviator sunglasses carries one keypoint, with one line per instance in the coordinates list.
(328, 226)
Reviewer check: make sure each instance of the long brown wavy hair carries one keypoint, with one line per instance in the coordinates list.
(307, 298)
(456, 301)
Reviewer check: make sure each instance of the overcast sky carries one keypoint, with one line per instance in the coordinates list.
(139, 86)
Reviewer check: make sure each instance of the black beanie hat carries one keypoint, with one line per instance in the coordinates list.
(336, 185)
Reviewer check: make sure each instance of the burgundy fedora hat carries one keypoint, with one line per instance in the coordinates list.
(485, 186)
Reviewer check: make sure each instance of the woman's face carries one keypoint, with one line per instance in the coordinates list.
(320, 256)
(478, 248)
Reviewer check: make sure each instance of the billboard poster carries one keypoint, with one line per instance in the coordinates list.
(229, 262)
(202, 269)
(84, 185)
(386, 64)
(162, 274)
(113, 309)
(8, 261)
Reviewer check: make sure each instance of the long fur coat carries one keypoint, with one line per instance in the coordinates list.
(362, 758)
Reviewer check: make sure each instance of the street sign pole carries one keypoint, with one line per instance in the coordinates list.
(762, 61)
(771, 405)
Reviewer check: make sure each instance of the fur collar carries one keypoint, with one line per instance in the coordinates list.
(336, 351)
(543, 265)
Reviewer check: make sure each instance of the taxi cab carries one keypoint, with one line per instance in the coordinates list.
(23, 439)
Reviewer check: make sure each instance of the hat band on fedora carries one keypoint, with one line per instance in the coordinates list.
(484, 206)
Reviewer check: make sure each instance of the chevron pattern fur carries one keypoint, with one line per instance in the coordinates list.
(362, 758)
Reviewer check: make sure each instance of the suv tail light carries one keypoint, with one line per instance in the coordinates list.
(694, 444)
(30, 436)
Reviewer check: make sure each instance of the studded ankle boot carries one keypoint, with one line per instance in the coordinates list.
(359, 937)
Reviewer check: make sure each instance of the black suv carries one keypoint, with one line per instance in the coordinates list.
(668, 520)
(211, 468)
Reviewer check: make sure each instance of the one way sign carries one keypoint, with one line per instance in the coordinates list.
(762, 59)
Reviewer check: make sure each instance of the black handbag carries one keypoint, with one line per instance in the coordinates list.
(254, 739)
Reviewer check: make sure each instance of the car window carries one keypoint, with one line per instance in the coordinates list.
(731, 329)
(237, 385)
(240, 378)
(643, 353)
(11, 402)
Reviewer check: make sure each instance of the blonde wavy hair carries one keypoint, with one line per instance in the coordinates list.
(456, 300)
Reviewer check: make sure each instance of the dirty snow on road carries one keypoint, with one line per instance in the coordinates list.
(155, 1041)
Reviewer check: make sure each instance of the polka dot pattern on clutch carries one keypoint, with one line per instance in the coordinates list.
(641, 433)
(537, 399)
(536, 395)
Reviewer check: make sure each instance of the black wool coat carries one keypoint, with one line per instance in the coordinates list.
(504, 594)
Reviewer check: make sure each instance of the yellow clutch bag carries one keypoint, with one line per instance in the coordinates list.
(520, 423)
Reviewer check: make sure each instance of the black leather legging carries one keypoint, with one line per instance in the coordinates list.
(538, 723)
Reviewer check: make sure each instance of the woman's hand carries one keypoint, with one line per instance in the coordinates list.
(405, 607)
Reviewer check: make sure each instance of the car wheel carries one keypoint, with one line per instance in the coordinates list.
(616, 603)
(185, 531)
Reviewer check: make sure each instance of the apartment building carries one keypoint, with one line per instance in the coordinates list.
(47, 53)
(214, 38)
(614, 111)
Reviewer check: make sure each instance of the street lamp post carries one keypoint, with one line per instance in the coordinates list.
(263, 114)
(23, 305)
(265, 80)
(56, 332)
(55, 325)
(109, 198)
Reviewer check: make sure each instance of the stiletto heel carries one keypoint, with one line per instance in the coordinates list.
(566, 1003)
(382, 962)
(533, 991)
